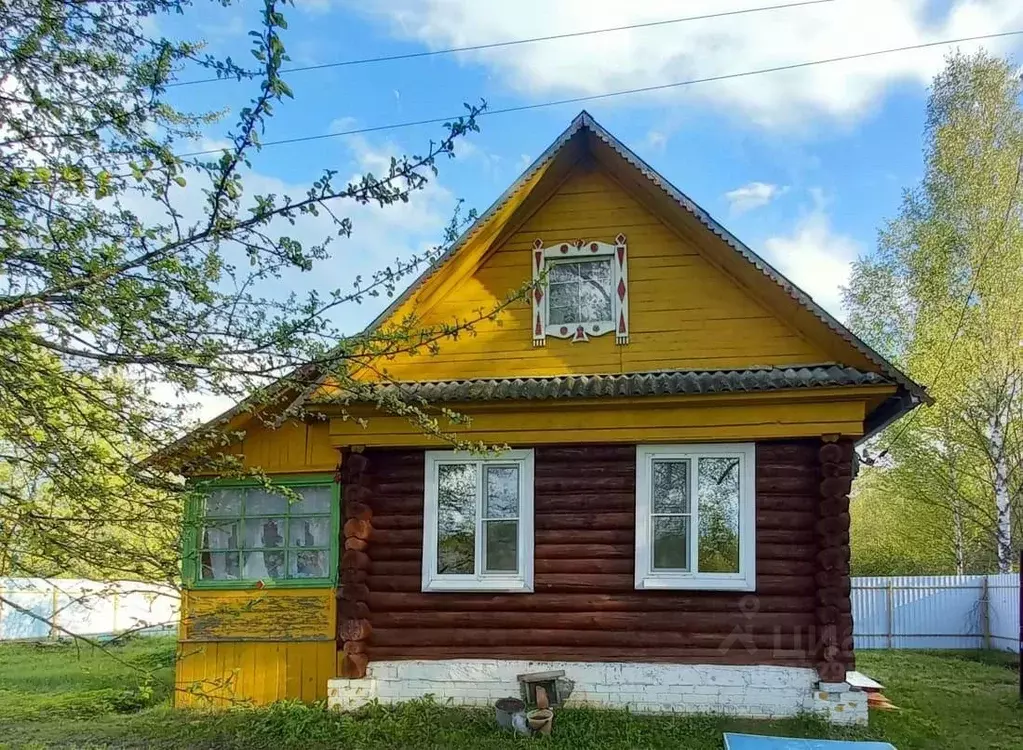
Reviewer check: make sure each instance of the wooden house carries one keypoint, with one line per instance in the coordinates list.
(668, 529)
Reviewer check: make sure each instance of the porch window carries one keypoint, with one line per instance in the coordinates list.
(478, 522)
(248, 535)
(695, 517)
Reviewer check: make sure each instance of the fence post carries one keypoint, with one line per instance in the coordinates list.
(890, 613)
(54, 605)
(985, 613)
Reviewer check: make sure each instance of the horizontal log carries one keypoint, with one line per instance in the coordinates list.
(592, 565)
(788, 625)
(580, 483)
(787, 451)
(585, 502)
(784, 502)
(397, 567)
(358, 528)
(569, 550)
(585, 536)
(569, 521)
(397, 537)
(392, 486)
(786, 567)
(795, 485)
(394, 457)
(785, 536)
(585, 453)
(383, 521)
(406, 504)
(782, 520)
(457, 638)
(623, 471)
(793, 658)
(785, 551)
(355, 647)
(396, 553)
(356, 544)
(647, 601)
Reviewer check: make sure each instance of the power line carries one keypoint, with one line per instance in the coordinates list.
(966, 303)
(625, 92)
(516, 42)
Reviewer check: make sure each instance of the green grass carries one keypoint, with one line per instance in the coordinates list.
(63, 696)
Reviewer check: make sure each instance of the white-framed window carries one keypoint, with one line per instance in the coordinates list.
(581, 290)
(478, 522)
(696, 517)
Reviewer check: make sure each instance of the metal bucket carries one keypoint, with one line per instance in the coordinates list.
(506, 708)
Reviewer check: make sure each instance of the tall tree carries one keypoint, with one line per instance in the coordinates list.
(942, 296)
(113, 292)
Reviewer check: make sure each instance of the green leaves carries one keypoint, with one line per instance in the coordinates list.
(942, 296)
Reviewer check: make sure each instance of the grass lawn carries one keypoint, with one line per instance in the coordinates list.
(63, 696)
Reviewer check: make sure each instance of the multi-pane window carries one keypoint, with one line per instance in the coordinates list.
(580, 292)
(695, 517)
(478, 525)
(246, 533)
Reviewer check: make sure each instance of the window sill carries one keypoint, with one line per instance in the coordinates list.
(483, 585)
(695, 583)
(305, 583)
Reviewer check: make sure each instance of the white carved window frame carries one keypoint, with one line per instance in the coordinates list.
(543, 257)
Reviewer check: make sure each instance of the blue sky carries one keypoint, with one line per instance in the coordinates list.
(804, 166)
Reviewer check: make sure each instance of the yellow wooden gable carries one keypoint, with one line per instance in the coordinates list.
(698, 299)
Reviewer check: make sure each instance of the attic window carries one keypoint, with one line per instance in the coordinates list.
(581, 290)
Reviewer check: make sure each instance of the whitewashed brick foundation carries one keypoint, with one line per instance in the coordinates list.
(756, 691)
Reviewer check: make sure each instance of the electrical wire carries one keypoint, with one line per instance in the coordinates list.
(625, 92)
(516, 42)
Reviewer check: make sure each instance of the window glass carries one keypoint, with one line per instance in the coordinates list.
(456, 518)
(580, 291)
(718, 489)
(671, 514)
(251, 534)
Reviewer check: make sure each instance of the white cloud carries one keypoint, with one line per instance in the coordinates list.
(650, 56)
(752, 195)
(815, 258)
(656, 140)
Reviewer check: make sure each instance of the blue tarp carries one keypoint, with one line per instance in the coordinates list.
(757, 742)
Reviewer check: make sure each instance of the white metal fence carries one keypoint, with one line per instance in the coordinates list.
(959, 612)
(964, 612)
(45, 608)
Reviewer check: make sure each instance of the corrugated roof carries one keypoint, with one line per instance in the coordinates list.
(659, 383)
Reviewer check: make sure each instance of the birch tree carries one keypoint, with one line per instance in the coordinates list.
(943, 296)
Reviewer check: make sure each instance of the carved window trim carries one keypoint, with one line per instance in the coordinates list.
(579, 250)
(649, 578)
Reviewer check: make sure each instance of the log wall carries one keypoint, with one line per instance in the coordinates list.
(585, 606)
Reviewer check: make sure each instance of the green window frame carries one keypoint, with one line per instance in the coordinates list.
(196, 520)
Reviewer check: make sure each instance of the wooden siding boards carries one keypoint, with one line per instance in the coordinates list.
(586, 607)
(685, 312)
